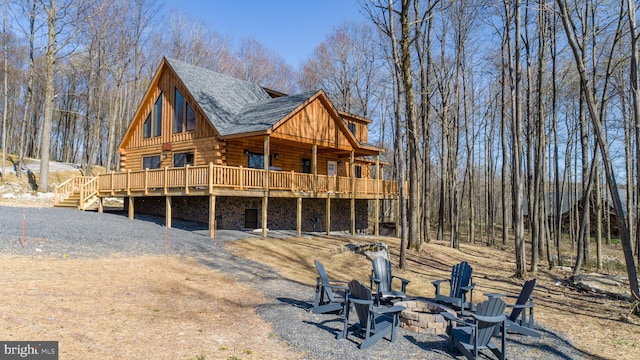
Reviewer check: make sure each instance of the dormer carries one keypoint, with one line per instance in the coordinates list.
(358, 125)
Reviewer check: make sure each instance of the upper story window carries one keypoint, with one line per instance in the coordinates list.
(184, 117)
(157, 116)
(357, 172)
(146, 129)
(153, 123)
(352, 127)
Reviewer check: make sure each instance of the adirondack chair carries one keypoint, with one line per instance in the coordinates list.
(459, 285)
(383, 278)
(517, 320)
(475, 335)
(375, 322)
(330, 297)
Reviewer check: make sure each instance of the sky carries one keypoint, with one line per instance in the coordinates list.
(291, 28)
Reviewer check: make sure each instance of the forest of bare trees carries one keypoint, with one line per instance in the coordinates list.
(514, 120)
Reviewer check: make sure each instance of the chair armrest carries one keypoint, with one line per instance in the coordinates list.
(339, 281)
(490, 319)
(360, 301)
(387, 310)
(493, 295)
(467, 288)
(437, 285)
(450, 317)
(522, 306)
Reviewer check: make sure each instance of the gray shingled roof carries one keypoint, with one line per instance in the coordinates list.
(234, 106)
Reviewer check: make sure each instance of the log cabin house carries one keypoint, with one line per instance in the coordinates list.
(212, 148)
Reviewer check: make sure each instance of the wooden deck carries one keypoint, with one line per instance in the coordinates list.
(223, 181)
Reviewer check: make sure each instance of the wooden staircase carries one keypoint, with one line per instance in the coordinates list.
(79, 192)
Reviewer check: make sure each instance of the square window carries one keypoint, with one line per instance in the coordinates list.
(151, 162)
(182, 159)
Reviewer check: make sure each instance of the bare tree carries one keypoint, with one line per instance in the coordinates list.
(570, 31)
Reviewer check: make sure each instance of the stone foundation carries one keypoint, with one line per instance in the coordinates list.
(281, 215)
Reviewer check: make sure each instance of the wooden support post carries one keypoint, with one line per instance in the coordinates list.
(211, 178)
(376, 225)
(100, 205)
(265, 203)
(352, 168)
(212, 216)
(299, 217)
(146, 181)
(128, 181)
(186, 179)
(131, 215)
(353, 216)
(266, 163)
(167, 215)
(328, 220)
(314, 167)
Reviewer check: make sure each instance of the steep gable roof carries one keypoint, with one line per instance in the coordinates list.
(221, 97)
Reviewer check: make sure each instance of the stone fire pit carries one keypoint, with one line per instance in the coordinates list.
(424, 317)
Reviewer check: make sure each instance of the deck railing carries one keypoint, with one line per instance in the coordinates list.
(216, 176)
(74, 185)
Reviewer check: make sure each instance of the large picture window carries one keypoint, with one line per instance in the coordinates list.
(178, 111)
(184, 116)
(157, 116)
(151, 162)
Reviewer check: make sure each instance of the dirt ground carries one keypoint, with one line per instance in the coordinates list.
(133, 308)
(593, 323)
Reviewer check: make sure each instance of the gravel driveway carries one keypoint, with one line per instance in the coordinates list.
(72, 233)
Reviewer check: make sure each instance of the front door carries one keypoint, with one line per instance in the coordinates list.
(332, 171)
(251, 218)
(332, 168)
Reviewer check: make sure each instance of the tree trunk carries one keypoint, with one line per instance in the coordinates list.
(49, 97)
(606, 158)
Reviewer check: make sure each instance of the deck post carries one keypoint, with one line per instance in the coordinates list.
(131, 207)
(299, 217)
(376, 224)
(212, 216)
(146, 181)
(186, 179)
(211, 178)
(328, 220)
(352, 168)
(167, 215)
(314, 167)
(128, 181)
(100, 205)
(112, 191)
(265, 202)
